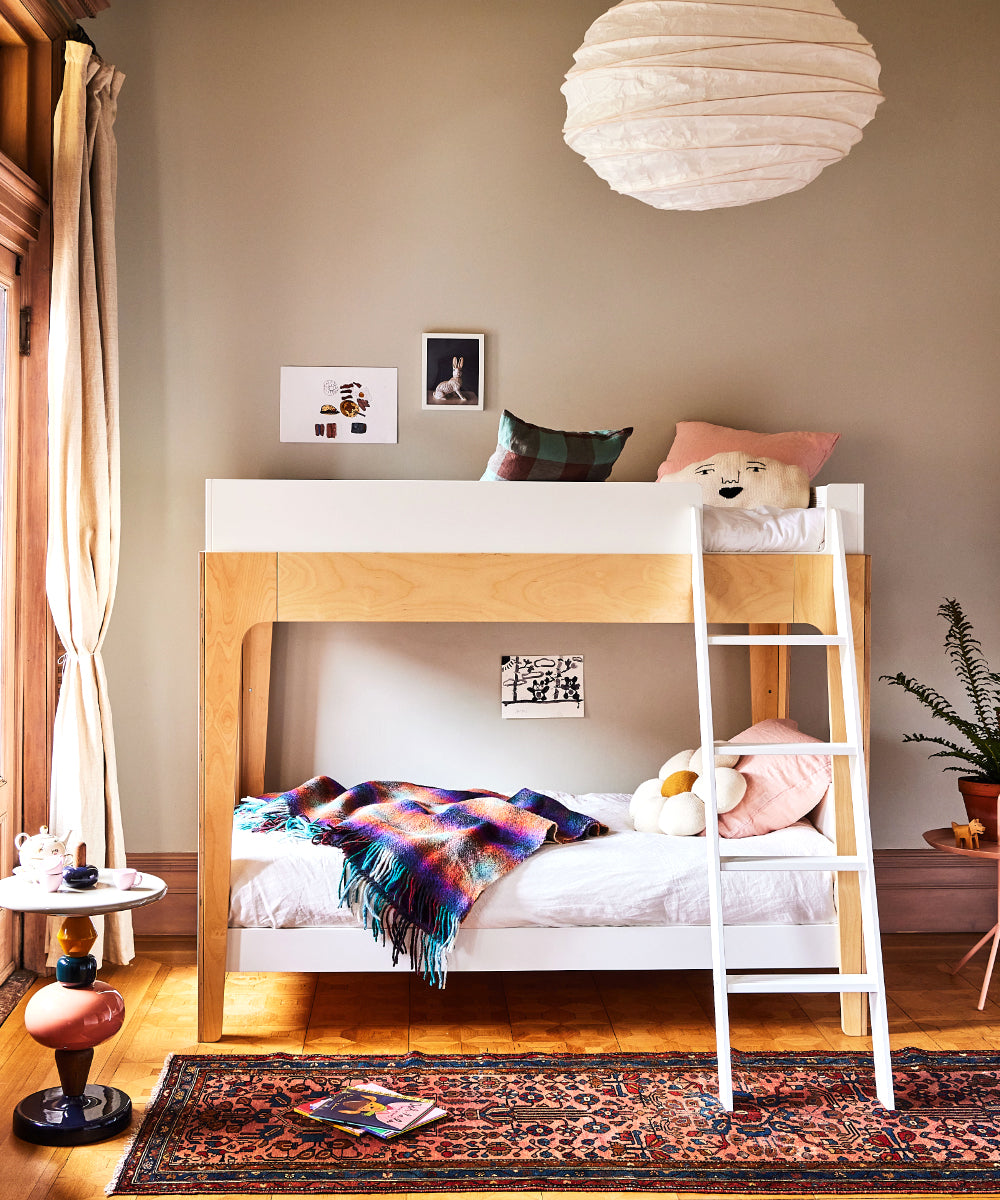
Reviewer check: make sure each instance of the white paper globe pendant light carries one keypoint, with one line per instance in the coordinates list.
(696, 104)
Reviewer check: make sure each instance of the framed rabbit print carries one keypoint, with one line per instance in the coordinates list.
(453, 371)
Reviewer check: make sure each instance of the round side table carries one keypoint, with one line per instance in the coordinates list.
(944, 839)
(76, 1013)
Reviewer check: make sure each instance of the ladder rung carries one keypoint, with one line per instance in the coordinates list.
(776, 639)
(788, 748)
(794, 862)
(801, 982)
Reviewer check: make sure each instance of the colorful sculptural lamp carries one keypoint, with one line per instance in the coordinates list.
(71, 1017)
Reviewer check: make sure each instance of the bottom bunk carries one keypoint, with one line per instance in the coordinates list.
(625, 901)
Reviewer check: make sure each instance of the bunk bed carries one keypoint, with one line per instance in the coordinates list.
(518, 552)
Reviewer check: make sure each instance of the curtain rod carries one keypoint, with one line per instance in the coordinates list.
(79, 34)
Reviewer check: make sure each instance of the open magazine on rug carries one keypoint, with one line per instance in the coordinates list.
(371, 1108)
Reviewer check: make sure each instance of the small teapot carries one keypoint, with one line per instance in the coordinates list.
(32, 850)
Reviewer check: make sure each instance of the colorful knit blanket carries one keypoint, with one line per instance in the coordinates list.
(417, 858)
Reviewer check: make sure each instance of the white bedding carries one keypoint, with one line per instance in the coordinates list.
(763, 530)
(625, 878)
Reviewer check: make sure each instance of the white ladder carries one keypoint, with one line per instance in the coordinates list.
(872, 980)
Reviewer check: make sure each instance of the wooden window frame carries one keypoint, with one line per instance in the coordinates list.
(10, 284)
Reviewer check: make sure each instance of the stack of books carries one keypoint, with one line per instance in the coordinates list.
(371, 1108)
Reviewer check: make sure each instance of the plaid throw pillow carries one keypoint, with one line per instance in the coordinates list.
(526, 451)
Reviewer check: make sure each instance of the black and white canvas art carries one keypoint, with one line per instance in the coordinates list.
(541, 685)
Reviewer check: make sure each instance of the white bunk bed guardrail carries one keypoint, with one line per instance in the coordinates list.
(425, 516)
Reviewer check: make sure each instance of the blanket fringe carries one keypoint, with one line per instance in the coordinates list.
(268, 814)
(373, 885)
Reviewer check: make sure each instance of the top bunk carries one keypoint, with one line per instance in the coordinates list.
(417, 516)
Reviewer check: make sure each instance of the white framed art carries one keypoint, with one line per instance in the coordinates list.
(454, 371)
(338, 406)
(541, 685)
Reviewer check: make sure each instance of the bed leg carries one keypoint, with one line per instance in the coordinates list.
(769, 676)
(853, 1005)
(238, 591)
(814, 606)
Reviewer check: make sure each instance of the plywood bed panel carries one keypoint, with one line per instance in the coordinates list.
(484, 587)
(244, 591)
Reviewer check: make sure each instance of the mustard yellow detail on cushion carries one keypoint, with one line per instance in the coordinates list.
(679, 781)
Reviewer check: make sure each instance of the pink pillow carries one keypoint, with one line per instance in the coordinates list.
(781, 788)
(696, 440)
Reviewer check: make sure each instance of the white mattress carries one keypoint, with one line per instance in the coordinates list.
(626, 878)
(763, 530)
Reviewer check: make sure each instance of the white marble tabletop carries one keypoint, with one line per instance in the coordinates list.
(26, 895)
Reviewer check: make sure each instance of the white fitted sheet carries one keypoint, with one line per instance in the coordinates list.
(625, 878)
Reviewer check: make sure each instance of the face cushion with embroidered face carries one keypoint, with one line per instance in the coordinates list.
(736, 479)
(526, 451)
(697, 440)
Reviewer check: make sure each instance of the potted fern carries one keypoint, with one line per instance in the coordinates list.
(979, 756)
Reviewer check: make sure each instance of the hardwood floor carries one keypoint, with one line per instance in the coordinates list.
(588, 1012)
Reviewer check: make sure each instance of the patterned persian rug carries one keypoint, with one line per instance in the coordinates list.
(223, 1124)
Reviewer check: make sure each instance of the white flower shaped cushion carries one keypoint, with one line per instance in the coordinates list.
(674, 802)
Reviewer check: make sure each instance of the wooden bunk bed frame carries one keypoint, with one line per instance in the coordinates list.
(245, 591)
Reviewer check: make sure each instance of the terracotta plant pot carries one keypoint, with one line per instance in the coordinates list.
(981, 802)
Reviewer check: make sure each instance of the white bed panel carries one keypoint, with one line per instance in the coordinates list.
(424, 516)
(640, 948)
(417, 516)
(849, 500)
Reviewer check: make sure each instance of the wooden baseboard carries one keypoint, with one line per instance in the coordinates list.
(176, 915)
(920, 891)
(925, 891)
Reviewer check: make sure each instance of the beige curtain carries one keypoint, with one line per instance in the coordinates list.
(84, 500)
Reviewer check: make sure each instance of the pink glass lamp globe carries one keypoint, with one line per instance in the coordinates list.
(65, 1018)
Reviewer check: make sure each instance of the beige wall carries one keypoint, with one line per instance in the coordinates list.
(314, 181)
